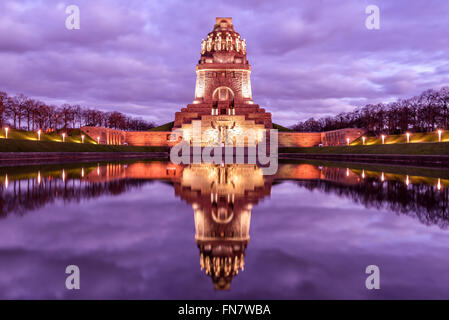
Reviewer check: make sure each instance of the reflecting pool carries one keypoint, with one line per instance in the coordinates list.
(156, 230)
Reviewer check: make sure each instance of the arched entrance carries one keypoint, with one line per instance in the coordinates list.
(223, 94)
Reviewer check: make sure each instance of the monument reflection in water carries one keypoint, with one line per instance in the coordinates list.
(223, 196)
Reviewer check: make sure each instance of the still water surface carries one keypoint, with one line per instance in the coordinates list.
(155, 230)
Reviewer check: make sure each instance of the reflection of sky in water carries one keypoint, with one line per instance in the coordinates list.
(140, 244)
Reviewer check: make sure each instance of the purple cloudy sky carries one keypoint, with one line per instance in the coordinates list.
(309, 58)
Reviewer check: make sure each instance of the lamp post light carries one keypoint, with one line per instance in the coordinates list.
(383, 139)
(63, 137)
(440, 132)
(6, 132)
(39, 134)
(82, 138)
(363, 139)
(408, 137)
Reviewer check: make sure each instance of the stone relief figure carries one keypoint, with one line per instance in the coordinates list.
(237, 44)
(228, 42)
(244, 46)
(209, 43)
(203, 46)
(218, 43)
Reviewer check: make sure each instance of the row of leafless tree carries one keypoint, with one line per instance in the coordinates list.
(21, 112)
(424, 113)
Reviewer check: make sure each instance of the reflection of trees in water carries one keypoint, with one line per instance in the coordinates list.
(26, 195)
(424, 201)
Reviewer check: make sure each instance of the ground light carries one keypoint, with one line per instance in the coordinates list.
(6, 132)
(347, 140)
(82, 138)
(39, 135)
(63, 137)
(440, 132)
(363, 139)
(383, 139)
(439, 184)
(408, 137)
(98, 140)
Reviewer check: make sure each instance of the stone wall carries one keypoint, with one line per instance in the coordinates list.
(164, 138)
(339, 137)
(299, 139)
(149, 138)
(105, 135)
(132, 138)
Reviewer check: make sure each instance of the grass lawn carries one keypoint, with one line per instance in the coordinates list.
(437, 148)
(281, 128)
(27, 141)
(420, 137)
(165, 127)
(72, 135)
(13, 145)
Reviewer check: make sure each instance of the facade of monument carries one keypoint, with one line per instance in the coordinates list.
(223, 106)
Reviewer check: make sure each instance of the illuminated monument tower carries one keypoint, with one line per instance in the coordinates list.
(222, 198)
(223, 98)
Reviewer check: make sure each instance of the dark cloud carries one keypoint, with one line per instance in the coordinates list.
(309, 58)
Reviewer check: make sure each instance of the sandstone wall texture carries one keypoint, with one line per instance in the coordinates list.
(339, 137)
(299, 139)
(105, 135)
(167, 138)
(149, 138)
